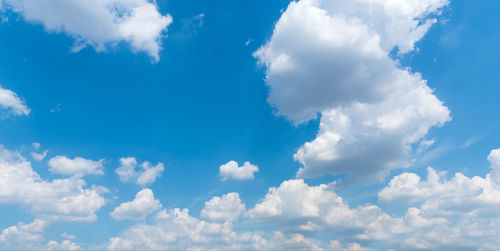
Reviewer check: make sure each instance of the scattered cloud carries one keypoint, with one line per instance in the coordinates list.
(39, 156)
(143, 205)
(107, 22)
(65, 245)
(177, 230)
(77, 166)
(455, 214)
(248, 42)
(11, 102)
(146, 176)
(68, 236)
(231, 170)
(23, 236)
(190, 26)
(225, 208)
(336, 246)
(59, 199)
(57, 108)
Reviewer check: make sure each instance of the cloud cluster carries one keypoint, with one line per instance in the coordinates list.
(147, 176)
(332, 58)
(66, 245)
(99, 23)
(444, 214)
(143, 205)
(60, 199)
(231, 170)
(11, 102)
(177, 230)
(30, 237)
(23, 236)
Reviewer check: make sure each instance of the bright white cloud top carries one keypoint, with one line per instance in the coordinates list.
(231, 170)
(332, 58)
(228, 207)
(146, 176)
(143, 204)
(23, 235)
(59, 199)
(11, 102)
(99, 23)
(77, 166)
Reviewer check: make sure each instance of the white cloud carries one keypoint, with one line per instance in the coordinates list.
(336, 246)
(68, 236)
(295, 242)
(367, 141)
(292, 215)
(59, 199)
(137, 22)
(295, 199)
(77, 166)
(226, 208)
(64, 245)
(459, 195)
(39, 156)
(467, 206)
(143, 205)
(332, 58)
(10, 101)
(176, 230)
(231, 170)
(295, 206)
(23, 236)
(30, 237)
(147, 176)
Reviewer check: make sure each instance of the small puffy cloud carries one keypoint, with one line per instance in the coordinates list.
(332, 58)
(137, 22)
(231, 170)
(143, 205)
(146, 176)
(77, 166)
(226, 208)
(295, 242)
(59, 199)
(68, 236)
(65, 245)
(11, 102)
(39, 156)
(336, 246)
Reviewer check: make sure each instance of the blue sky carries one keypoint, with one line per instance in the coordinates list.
(339, 107)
